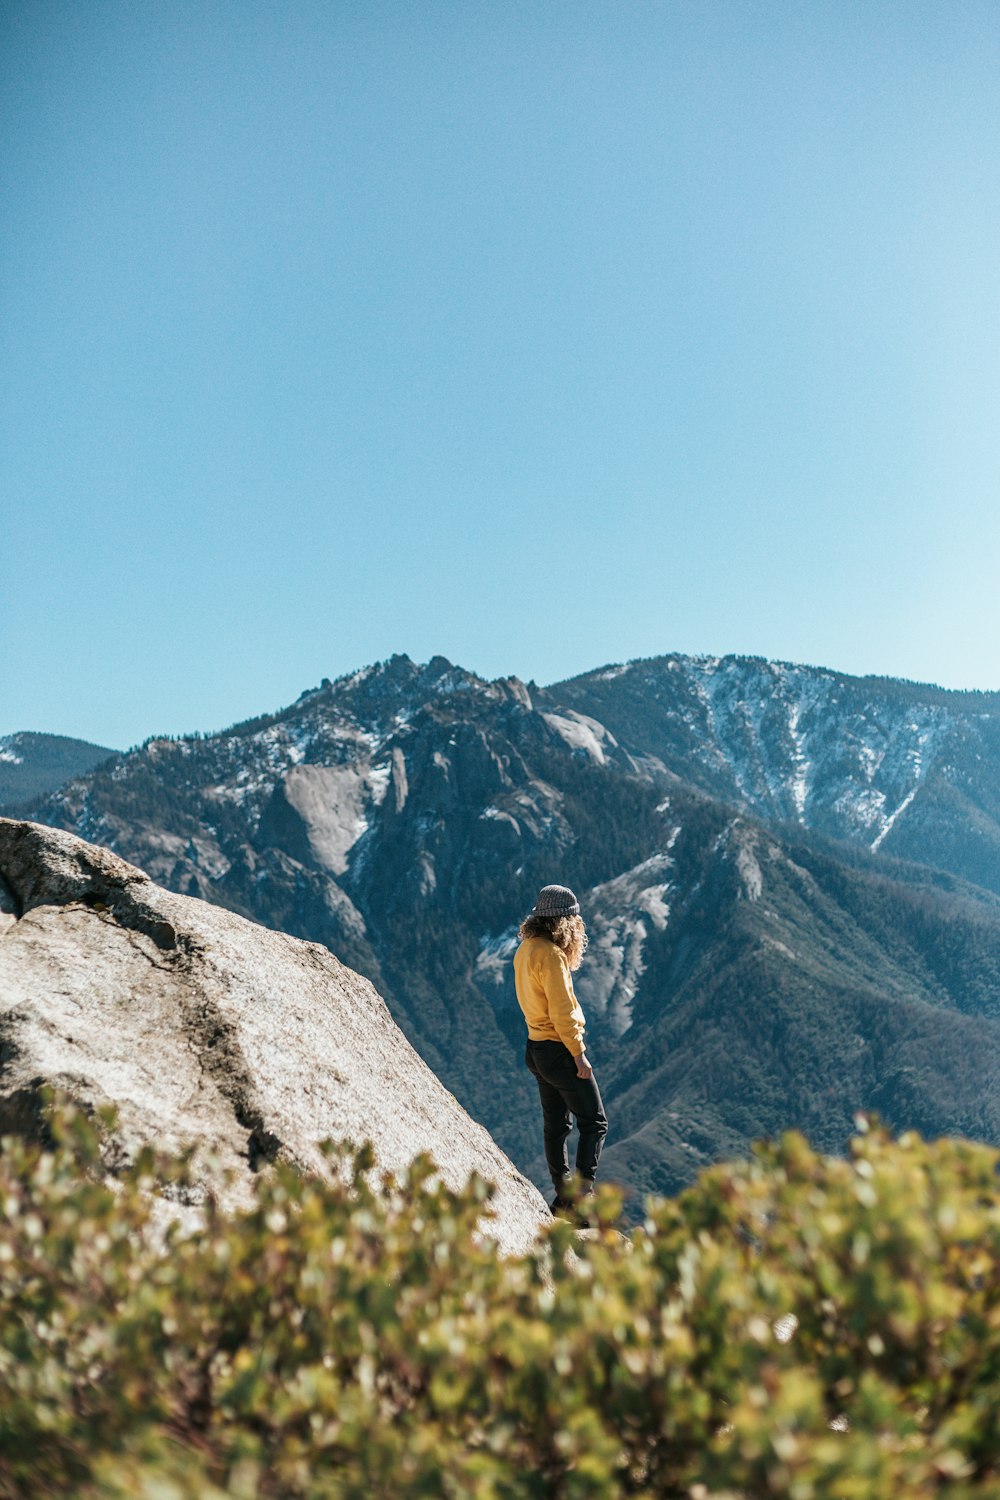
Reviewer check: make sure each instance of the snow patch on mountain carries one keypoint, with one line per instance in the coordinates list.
(889, 764)
(378, 782)
(498, 814)
(622, 912)
(800, 762)
(736, 728)
(861, 808)
(807, 744)
(888, 824)
(495, 957)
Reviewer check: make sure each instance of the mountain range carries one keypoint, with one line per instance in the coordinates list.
(32, 765)
(791, 879)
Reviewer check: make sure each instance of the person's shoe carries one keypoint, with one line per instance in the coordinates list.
(573, 1210)
(580, 1207)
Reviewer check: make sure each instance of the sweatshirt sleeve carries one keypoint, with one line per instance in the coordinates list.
(564, 1008)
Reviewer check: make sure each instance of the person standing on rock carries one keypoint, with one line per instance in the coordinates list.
(553, 942)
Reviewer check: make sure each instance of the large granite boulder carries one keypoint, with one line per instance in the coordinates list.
(204, 1028)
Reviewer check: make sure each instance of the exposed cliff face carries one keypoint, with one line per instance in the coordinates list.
(406, 816)
(202, 1027)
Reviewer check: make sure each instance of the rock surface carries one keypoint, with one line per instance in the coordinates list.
(203, 1027)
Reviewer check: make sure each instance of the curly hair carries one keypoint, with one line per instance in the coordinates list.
(568, 933)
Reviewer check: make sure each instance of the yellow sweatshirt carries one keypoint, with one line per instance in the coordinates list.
(545, 993)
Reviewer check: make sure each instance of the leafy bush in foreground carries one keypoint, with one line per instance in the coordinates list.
(792, 1326)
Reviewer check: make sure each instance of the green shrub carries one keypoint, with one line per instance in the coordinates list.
(792, 1326)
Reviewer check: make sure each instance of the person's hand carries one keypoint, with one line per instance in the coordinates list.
(583, 1068)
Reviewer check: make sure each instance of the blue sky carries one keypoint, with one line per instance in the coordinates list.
(536, 335)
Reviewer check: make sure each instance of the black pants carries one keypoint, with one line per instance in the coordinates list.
(564, 1094)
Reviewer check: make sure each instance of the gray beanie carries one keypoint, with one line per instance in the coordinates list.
(556, 901)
